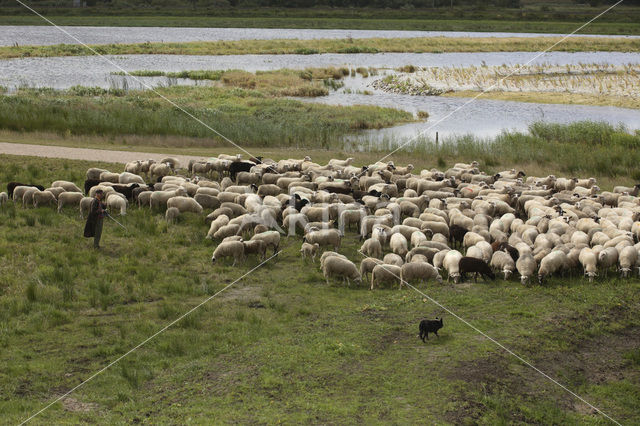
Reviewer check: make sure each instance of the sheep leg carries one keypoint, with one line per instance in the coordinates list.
(436, 332)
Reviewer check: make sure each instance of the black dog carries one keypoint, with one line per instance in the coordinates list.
(429, 326)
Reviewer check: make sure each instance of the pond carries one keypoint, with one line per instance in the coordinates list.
(482, 117)
(46, 35)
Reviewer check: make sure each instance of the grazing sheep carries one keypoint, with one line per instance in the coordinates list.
(552, 263)
(42, 198)
(109, 177)
(185, 204)
(4, 197)
(393, 259)
(171, 215)
(335, 266)
(160, 198)
(207, 201)
(526, 266)
(627, 260)
(385, 274)
(430, 326)
(93, 173)
(607, 258)
(27, 197)
(233, 249)
(115, 201)
(399, 244)
(367, 264)
(324, 237)
(451, 264)
(129, 178)
(69, 198)
(589, 262)
(476, 266)
(257, 247)
(85, 206)
(226, 231)
(372, 248)
(503, 262)
(418, 271)
(68, 186)
(309, 250)
(271, 239)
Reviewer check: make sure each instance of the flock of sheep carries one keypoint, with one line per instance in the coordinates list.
(414, 226)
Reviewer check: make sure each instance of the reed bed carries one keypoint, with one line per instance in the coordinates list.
(248, 116)
(620, 84)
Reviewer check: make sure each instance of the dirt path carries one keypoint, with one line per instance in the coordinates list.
(85, 153)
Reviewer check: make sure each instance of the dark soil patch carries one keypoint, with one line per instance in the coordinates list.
(592, 362)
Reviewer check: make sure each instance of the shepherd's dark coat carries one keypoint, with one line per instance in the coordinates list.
(92, 218)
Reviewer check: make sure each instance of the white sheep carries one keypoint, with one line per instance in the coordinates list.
(270, 238)
(503, 262)
(216, 224)
(627, 260)
(399, 244)
(226, 231)
(68, 186)
(335, 266)
(93, 173)
(451, 264)
(84, 204)
(385, 274)
(128, 178)
(393, 259)
(171, 215)
(367, 264)
(417, 237)
(115, 201)
(418, 271)
(526, 266)
(184, 204)
(69, 198)
(233, 249)
(324, 237)
(553, 262)
(309, 250)
(41, 198)
(160, 198)
(3, 198)
(27, 197)
(607, 258)
(110, 177)
(589, 262)
(372, 248)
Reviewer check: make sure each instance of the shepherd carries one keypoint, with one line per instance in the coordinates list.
(97, 212)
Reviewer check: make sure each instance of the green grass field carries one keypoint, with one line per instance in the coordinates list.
(537, 18)
(281, 345)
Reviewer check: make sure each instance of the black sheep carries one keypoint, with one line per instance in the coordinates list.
(239, 166)
(12, 185)
(456, 235)
(90, 183)
(476, 266)
(126, 190)
(139, 189)
(430, 326)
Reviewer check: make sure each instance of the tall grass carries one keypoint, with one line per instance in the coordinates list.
(245, 115)
(349, 45)
(577, 149)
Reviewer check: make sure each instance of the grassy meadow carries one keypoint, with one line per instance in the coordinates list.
(281, 345)
(348, 45)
